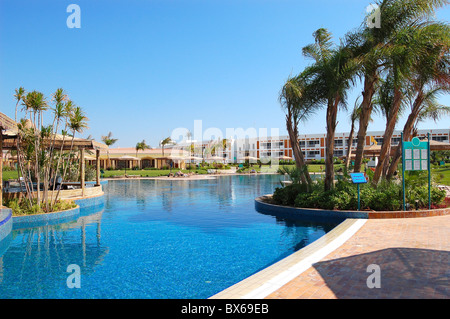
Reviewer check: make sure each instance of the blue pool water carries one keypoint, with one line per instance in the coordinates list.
(155, 239)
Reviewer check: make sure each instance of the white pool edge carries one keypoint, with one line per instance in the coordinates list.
(270, 279)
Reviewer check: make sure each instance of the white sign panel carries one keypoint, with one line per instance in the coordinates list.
(408, 165)
(424, 165)
(408, 153)
(424, 154)
(416, 165)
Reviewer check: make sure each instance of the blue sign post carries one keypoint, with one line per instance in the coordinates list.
(358, 179)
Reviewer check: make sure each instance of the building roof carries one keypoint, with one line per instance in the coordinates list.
(9, 131)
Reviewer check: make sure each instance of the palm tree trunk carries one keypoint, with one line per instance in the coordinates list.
(407, 133)
(349, 145)
(389, 131)
(366, 110)
(331, 130)
(296, 149)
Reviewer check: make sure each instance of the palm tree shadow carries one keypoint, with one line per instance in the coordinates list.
(404, 273)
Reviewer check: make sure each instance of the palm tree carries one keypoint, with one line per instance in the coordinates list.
(388, 100)
(430, 77)
(36, 103)
(411, 45)
(141, 146)
(298, 108)
(77, 124)
(369, 46)
(354, 116)
(20, 93)
(109, 141)
(165, 142)
(331, 75)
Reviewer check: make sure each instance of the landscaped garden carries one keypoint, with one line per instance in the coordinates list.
(45, 152)
(387, 196)
(403, 67)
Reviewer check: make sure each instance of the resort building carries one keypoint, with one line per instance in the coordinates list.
(312, 145)
(238, 150)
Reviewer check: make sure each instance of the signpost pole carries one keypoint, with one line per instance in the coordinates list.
(403, 173)
(359, 199)
(429, 172)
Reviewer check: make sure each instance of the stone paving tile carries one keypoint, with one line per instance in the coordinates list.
(413, 255)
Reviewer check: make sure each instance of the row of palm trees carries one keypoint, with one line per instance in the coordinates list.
(108, 140)
(403, 67)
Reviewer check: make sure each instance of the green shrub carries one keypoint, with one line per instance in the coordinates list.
(20, 208)
(286, 195)
(344, 196)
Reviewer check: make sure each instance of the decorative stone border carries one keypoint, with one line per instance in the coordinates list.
(263, 207)
(20, 222)
(37, 220)
(88, 202)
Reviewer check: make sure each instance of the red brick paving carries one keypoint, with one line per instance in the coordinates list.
(413, 255)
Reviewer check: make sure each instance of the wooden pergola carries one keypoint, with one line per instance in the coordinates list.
(8, 141)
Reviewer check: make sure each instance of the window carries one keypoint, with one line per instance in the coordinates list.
(440, 138)
(302, 143)
(338, 142)
(313, 153)
(313, 143)
(396, 140)
(338, 153)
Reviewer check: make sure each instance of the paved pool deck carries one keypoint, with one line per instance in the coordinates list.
(413, 255)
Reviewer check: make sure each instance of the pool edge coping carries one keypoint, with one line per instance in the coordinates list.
(270, 279)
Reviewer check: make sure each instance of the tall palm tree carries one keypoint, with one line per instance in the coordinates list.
(388, 100)
(354, 116)
(36, 103)
(298, 108)
(430, 77)
(109, 141)
(20, 93)
(369, 45)
(77, 123)
(412, 44)
(331, 75)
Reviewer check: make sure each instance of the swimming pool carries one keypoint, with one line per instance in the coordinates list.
(156, 239)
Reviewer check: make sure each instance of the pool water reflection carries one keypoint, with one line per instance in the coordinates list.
(156, 239)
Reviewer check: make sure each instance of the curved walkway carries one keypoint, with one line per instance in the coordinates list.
(413, 255)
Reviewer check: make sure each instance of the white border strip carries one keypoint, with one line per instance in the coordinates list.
(284, 277)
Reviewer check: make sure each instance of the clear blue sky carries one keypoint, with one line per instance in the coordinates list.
(141, 68)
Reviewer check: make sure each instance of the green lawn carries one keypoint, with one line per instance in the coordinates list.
(441, 174)
(9, 175)
(148, 173)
